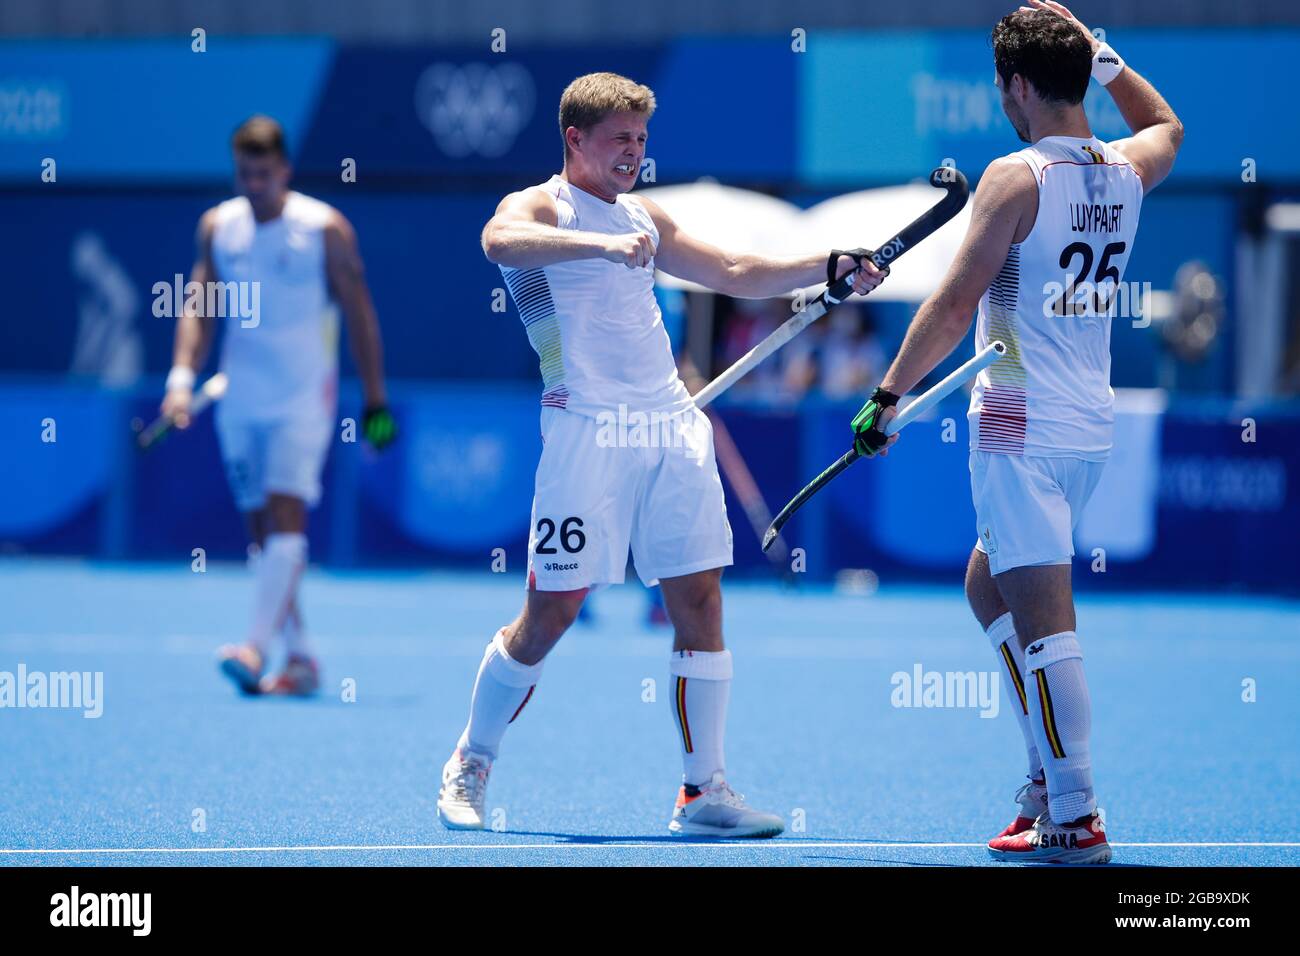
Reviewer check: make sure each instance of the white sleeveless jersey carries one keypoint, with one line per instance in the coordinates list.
(283, 361)
(595, 324)
(1050, 394)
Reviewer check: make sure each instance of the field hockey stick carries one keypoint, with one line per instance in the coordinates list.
(956, 190)
(931, 397)
(161, 427)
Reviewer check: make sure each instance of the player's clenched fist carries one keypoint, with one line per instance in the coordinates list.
(176, 406)
(634, 249)
(867, 277)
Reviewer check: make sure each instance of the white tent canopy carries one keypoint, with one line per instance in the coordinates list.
(741, 220)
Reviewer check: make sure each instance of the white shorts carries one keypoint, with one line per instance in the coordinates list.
(1026, 508)
(283, 457)
(601, 487)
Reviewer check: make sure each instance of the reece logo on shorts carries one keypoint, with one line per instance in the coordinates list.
(103, 909)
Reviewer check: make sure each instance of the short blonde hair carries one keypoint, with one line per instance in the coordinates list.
(590, 98)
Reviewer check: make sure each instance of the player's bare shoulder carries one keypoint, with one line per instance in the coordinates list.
(1008, 189)
(534, 204)
(207, 227)
(1007, 179)
(340, 237)
(203, 236)
(337, 227)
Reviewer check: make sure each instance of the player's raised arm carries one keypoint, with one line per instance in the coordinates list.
(524, 234)
(194, 330)
(347, 281)
(1157, 131)
(744, 275)
(1006, 197)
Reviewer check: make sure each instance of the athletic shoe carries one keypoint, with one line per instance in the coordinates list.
(300, 678)
(242, 664)
(1032, 798)
(464, 788)
(718, 811)
(1048, 842)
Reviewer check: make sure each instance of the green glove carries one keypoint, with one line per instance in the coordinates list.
(378, 426)
(868, 438)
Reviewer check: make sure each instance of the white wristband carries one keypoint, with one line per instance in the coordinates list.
(1106, 64)
(180, 378)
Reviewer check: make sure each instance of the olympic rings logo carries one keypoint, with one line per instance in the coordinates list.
(476, 109)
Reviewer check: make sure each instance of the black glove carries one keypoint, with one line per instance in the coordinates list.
(378, 426)
(857, 255)
(867, 436)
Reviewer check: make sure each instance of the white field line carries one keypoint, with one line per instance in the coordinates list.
(776, 844)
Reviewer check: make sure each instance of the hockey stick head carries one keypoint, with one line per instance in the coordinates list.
(953, 182)
(956, 191)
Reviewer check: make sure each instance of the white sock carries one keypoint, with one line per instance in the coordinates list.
(501, 690)
(1002, 635)
(278, 570)
(701, 688)
(1062, 721)
(294, 634)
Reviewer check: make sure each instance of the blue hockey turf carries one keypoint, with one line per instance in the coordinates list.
(180, 770)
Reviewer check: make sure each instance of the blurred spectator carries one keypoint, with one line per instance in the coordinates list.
(748, 323)
(852, 359)
(839, 356)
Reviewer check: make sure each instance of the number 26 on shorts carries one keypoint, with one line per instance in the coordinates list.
(571, 537)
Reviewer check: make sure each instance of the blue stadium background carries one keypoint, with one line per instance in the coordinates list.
(139, 130)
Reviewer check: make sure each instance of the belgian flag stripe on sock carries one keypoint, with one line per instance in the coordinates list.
(681, 715)
(1016, 679)
(1049, 718)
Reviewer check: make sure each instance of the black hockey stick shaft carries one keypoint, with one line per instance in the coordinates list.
(956, 190)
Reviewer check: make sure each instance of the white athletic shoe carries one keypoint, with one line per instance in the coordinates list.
(464, 788)
(718, 811)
